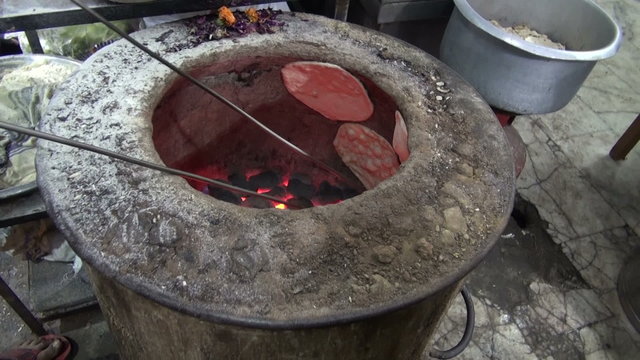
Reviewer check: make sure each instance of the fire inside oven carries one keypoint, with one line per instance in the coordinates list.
(195, 132)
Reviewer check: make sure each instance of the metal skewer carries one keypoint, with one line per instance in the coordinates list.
(211, 92)
(143, 163)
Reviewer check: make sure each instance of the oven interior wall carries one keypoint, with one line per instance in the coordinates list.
(193, 130)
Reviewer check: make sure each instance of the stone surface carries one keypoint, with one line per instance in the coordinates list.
(203, 259)
(454, 220)
(190, 251)
(599, 257)
(385, 254)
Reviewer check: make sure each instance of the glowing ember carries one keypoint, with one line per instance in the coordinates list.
(298, 189)
(252, 172)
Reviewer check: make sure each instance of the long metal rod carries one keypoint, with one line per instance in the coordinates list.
(341, 10)
(211, 92)
(21, 309)
(144, 163)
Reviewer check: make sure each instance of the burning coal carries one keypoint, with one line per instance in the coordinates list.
(297, 189)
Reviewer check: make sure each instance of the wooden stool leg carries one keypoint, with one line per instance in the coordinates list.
(627, 141)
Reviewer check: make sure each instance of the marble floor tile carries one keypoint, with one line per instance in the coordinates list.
(496, 336)
(548, 336)
(567, 191)
(544, 158)
(592, 205)
(605, 90)
(590, 153)
(618, 182)
(611, 299)
(609, 340)
(510, 344)
(527, 333)
(554, 323)
(570, 120)
(619, 121)
(626, 14)
(571, 309)
(600, 257)
(559, 225)
(631, 215)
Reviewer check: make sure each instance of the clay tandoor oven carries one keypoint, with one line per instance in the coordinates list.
(181, 274)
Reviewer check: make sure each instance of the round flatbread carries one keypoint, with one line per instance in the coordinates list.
(328, 89)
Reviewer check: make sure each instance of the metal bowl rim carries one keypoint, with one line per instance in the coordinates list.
(18, 190)
(478, 20)
(55, 58)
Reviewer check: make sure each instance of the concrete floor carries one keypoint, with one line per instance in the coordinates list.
(547, 291)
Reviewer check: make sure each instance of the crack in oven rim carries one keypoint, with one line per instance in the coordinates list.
(67, 216)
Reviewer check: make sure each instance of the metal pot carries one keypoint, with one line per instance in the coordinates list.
(518, 76)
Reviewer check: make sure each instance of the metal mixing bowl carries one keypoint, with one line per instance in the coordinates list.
(518, 76)
(9, 64)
